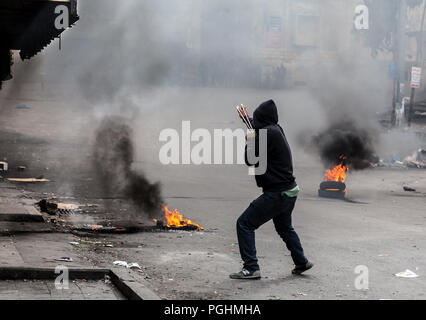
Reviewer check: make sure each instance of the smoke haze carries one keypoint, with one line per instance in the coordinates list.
(113, 157)
(131, 68)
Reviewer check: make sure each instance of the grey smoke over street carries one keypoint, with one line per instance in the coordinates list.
(88, 118)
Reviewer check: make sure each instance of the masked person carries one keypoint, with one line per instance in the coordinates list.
(279, 196)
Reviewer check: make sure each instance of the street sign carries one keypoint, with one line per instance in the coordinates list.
(416, 75)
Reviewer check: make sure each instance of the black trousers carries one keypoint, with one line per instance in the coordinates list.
(270, 205)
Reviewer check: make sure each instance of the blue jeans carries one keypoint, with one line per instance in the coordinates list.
(270, 205)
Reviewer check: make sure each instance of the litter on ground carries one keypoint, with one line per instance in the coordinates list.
(127, 265)
(406, 274)
(65, 259)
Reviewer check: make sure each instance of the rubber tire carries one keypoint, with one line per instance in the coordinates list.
(331, 194)
(332, 185)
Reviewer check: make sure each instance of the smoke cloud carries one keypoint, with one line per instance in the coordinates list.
(142, 66)
(345, 139)
(113, 156)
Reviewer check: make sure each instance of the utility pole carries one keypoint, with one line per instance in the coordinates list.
(399, 57)
(401, 67)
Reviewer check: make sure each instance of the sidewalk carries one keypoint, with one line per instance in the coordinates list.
(27, 242)
(17, 212)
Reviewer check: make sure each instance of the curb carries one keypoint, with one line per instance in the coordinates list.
(135, 286)
(125, 283)
(19, 213)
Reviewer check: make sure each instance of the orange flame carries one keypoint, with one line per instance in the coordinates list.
(338, 173)
(175, 219)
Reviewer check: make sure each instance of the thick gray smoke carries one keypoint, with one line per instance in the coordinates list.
(158, 62)
(351, 92)
(345, 139)
(125, 51)
(113, 156)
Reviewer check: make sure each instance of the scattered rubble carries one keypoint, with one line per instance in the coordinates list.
(416, 160)
(53, 208)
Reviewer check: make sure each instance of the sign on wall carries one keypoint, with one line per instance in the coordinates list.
(416, 75)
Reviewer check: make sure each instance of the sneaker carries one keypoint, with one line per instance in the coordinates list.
(246, 274)
(299, 269)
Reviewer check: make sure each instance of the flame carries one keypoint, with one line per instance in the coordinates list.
(175, 219)
(338, 173)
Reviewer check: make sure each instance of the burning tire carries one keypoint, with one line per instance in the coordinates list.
(332, 186)
(332, 189)
(331, 194)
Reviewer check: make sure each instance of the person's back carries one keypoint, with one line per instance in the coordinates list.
(279, 171)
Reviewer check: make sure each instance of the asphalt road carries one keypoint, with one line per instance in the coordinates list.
(386, 234)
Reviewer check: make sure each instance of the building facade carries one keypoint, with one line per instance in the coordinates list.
(268, 43)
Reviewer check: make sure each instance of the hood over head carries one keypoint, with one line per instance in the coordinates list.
(266, 114)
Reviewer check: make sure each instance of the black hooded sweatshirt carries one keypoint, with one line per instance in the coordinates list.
(279, 173)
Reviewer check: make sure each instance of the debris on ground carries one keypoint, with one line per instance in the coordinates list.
(53, 208)
(65, 259)
(67, 206)
(107, 279)
(273, 298)
(21, 168)
(28, 180)
(74, 243)
(218, 294)
(48, 206)
(406, 274)
(94, 227)
(100, 228)
(384, 255)
(120, 263)
(134, 265)
(22, 106)
(127, 265)
(3, 166)
(394, 161)
(408, 189)
(416, 160)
